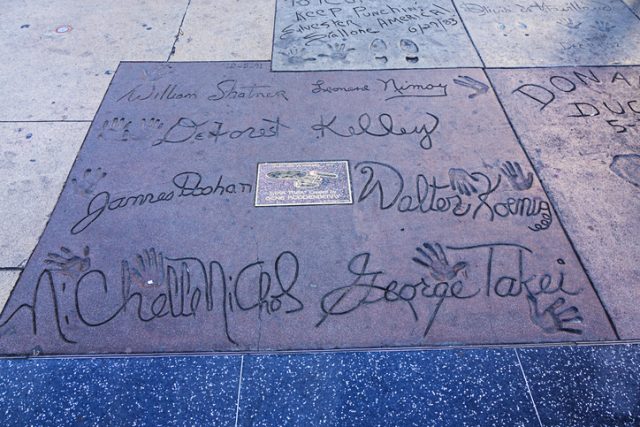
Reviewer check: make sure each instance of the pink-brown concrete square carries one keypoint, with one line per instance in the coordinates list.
(399, 211)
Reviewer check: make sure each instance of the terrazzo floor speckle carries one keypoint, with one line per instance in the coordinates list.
(104, 392)
(445, 388)
(552, 386)
(585, 386)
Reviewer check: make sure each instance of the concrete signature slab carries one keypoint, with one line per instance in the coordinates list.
(581, 127)
(552, 32)
(156, 244)
(366, 34)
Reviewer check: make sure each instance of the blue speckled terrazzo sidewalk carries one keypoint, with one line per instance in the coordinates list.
(551, 386)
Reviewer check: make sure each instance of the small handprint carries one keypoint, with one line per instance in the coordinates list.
(337, 52)
(603, 26)
(67, 263)
(569, 23)
(296, 56)
(86, 185)
(152, 124)
(157, 72)
(516, 177)
(461, 181)
(118, 126)
(434, 259)
(554, 318)
(147, 271)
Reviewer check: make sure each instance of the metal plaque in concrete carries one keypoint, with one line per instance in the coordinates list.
(369, 34)
(552, 32)
(303, 183)
(157, 243)
(581, 127)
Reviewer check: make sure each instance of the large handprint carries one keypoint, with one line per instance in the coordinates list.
(434, 259)
(554, 318)
(116, 129)
(86, 184)
(68, 263)
(337, 51)
(516, 176)
(461, 181)
(147, 271)
(296, 56)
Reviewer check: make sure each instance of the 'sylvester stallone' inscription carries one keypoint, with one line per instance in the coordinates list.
(335, 35)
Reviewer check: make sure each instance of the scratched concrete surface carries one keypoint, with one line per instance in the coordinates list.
(226, 30)
(395, 34)
(61, 54)
(553, 32)
(156, 245)
(580, 126)
(34, 163)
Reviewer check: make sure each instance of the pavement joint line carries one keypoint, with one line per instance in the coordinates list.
(273, 35)
(630, 8)
(45, 121)
(239, 390)
(262, 353)
(473, 43)
(478, 67)
(526, 382)
(175, 41)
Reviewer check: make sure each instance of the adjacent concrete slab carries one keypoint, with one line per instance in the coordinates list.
(157, 245)
(552, 32)
(633, 4)
(226, 30)
(366, 34)
(580, 126)
(35, 159)
(61, 55)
